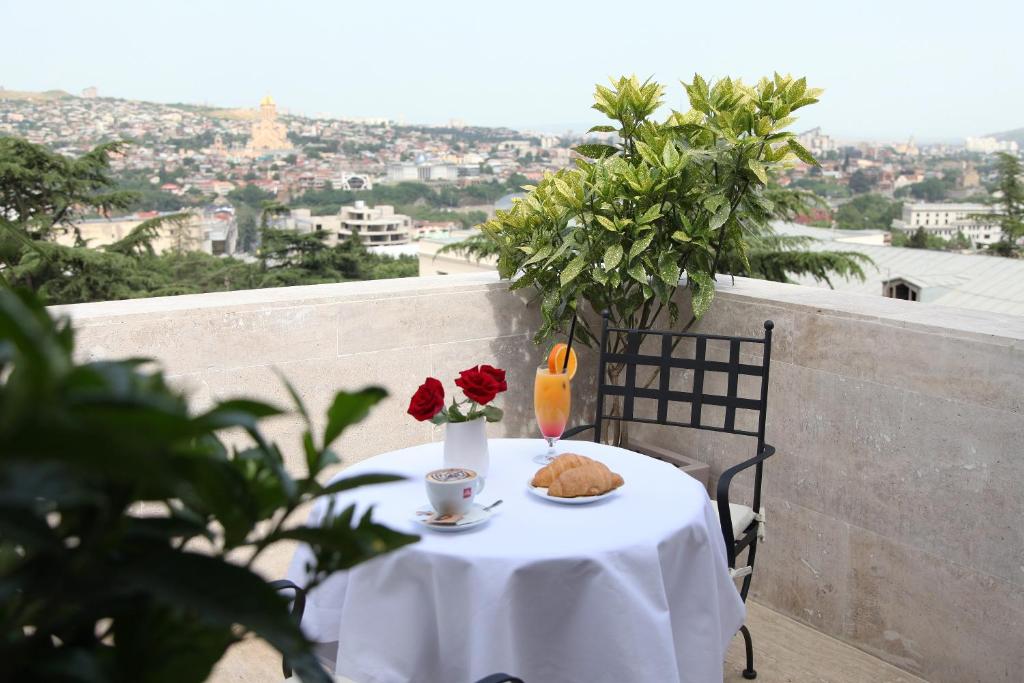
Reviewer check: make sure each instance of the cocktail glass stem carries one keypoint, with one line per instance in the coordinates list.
(549, 455)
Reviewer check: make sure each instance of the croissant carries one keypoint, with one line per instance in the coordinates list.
(561, 463)
(591, 479)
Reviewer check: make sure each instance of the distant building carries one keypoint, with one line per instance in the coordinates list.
(946, 220)
(434, 263)
(988, 145)
(268, 134)
(212, 232)
(90, 93)
(969, 178)
(377, 226)
(972, 281)
(352, 181)
(424, 172)
(816, 141)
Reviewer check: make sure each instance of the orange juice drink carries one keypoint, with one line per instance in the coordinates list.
(551, 402)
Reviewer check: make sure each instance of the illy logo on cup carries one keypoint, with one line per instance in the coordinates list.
(467, 492)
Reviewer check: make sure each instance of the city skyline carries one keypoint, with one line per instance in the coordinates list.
(913, 73)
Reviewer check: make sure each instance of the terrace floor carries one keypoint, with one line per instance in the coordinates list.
(785, 652)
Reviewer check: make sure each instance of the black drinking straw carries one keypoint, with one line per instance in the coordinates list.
(568, 347)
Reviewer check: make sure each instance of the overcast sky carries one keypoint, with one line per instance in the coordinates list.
(936, 70)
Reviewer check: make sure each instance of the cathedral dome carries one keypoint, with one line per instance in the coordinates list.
(267, 100)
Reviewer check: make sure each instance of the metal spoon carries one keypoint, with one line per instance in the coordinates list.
(493, 505)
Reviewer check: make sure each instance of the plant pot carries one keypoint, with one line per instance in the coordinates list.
(465, 445)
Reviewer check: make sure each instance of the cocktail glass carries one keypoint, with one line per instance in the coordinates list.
(551, 401)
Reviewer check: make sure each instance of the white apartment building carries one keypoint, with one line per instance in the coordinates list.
(213, 232)
(376, 226)
(946, 220)
(422, 172)
(989, 145)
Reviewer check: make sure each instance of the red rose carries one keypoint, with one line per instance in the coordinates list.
(479, 386)
(497, 374)
(428, 400)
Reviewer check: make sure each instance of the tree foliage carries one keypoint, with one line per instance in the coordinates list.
(43, 195)
(1009, 214)
(868, 212)
(119, 508)
(928, 190)
(683, 194)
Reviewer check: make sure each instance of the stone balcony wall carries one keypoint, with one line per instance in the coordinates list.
(894, 503)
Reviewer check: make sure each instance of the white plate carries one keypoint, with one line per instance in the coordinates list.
(542, 492)
(474, 518)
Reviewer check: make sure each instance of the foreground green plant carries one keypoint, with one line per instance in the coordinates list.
(686, 194)
(119, 509)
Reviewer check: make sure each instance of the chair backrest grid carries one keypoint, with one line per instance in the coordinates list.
(632, 358)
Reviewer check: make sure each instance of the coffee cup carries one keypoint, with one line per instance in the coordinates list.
(451, 490)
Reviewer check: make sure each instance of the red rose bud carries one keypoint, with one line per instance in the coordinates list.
(497, 374)
(428, 400)
(478, 386)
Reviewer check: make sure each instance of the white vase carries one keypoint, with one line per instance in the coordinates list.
(465, 445)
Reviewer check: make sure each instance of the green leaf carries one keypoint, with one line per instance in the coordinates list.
(758, 170)
(574, 268)
(702, 292)
(720, 217)
(606, 222)
(680, 236)
(640, 245)
(602, 129)
(354, 482)
(647, 153)
(612, 257)
(349, 409)
(652, 214)
(539, 255)
(670, 155)
(637, 272)
(596, 151)
(713, 202)
(668, 268)
(493, 413)
(801, 152)
(564, 190)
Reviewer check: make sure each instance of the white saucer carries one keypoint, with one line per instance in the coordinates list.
(542, 492)
(474, 518)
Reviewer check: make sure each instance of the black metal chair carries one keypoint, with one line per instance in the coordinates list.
(299, 606)
(742, 525)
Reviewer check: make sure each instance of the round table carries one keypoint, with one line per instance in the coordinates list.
(631, 588)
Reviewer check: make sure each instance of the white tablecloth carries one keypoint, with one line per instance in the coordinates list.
(633, 588)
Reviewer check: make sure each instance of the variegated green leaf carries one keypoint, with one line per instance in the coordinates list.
(637, 272)
(640, 245)
(652, 214)
(612, 257)
(572, 270)
(702, 293)
(720, 217)
(758, 170)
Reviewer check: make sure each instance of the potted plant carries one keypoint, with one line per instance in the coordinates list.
(97, 588)
(655, 200)
(465, 442)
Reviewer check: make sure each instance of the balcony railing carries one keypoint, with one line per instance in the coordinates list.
(894, 504)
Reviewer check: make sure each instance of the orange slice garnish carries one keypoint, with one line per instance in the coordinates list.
(556, 360)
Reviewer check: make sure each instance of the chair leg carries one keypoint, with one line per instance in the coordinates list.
(749, 672)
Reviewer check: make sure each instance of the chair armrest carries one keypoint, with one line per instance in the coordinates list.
(722, 498)
(299, 602)
(500, 678)
(298, 607)
(576, 430)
